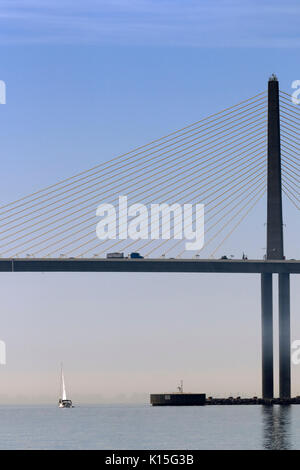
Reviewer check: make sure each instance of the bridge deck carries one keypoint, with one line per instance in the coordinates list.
(148, 265)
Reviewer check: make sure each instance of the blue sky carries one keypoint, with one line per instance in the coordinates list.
(206, 23)
(90, 80)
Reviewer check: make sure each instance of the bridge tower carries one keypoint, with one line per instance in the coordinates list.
(275, 252)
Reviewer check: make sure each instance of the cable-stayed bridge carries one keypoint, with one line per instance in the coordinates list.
(228, 161)
(219, 161)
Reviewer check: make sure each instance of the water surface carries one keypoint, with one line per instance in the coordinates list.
(146, 427)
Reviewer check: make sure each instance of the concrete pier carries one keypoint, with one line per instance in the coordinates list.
(284, 337)
(275, 252)
(274, 199)
(267, 335)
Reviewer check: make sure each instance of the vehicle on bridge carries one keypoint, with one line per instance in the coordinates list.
(135, 255)
(115, 255)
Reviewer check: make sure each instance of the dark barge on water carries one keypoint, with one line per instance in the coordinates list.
(199, 399)
(177, 399)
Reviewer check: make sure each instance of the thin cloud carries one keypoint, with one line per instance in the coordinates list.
(206, 23)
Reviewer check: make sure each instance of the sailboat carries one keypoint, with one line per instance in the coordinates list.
(63, 402)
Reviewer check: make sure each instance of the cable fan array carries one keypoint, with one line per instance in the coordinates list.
(290, 148)
(219, 161)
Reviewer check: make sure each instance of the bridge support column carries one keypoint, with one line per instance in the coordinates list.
(284, 337)
(267, 335)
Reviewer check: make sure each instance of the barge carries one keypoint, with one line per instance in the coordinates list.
(178, 399)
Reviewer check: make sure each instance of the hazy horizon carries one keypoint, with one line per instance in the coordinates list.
(120, 75)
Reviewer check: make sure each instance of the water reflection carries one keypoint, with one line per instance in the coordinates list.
(276, 427)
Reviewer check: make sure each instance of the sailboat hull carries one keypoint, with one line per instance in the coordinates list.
(65, 404)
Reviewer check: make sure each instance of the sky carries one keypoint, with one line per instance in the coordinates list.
(87, 81)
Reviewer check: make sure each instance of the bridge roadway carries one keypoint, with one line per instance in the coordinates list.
(151, 265)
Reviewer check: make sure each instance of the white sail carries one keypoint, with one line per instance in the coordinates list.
(63, 387)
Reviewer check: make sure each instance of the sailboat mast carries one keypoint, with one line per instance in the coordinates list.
(64, 395)
(61, 379)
